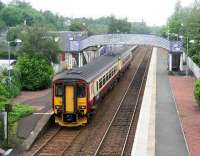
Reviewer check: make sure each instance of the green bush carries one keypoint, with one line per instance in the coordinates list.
(36, 72)
(10, 88)
(197, 91)
(3, 101)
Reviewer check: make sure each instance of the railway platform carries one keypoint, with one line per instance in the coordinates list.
(159, 130)
(28, 128)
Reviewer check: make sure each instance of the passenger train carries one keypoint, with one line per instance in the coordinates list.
(76, 92)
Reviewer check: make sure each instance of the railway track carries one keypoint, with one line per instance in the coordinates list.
(63, 141)
(116, 136)
(58, 142)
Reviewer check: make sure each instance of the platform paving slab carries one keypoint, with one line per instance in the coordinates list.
(169, 137)
(28, 128)
(39, 99)
(189, 111)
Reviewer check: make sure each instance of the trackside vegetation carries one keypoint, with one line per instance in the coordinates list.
(18, 111)
(185, 22)
(35, 71)
(9, 87)
(197, 91)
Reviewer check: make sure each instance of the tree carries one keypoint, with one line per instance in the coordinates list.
(177, 23)
(37, 41)
(2, 24)
(1, 5)
(119, 25)
(78, 26)
(186, 21)
(11, 15)
(140, 27)
(14, 33)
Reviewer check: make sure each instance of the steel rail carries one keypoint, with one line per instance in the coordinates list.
(46, 142)
(104, 136)
(67, 147)
(137, 103)
(61, 152)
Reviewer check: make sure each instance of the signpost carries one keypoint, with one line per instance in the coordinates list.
(8, 108)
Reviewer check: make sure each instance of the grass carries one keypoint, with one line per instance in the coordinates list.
(18, 111)
(3, 101)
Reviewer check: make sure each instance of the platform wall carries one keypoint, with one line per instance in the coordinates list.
(193, 66)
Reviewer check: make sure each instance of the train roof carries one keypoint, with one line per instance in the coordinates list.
(91, 70)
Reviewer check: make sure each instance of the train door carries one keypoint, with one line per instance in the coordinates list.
(69, 99)
(176, 61)
(120, 63)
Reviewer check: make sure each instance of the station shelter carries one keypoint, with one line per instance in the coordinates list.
(175, 57)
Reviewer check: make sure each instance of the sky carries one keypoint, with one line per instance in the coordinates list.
(153, 12)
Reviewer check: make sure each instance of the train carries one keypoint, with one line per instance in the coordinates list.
(76, 92)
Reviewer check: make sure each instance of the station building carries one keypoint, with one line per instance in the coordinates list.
(70, 58)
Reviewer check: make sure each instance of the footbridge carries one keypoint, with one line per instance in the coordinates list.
(125, 39)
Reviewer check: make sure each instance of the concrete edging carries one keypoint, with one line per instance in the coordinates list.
(144, 143)
(41, 125)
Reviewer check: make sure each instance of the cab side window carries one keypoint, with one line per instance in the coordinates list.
(81, 91)
(59, 90)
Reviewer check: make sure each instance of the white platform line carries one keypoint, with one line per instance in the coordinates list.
(48, 113)
(144, 143)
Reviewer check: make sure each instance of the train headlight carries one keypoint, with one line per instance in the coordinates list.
(82, 107)
(58, 108)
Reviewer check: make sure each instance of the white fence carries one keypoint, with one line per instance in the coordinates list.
(57, 68)
(193, 67)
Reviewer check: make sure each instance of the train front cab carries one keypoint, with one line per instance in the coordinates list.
(70, 103)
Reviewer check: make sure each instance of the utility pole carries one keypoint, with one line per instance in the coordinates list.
(168, 32)
(187, 40)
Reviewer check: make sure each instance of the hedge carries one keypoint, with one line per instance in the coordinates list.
(10, 88)
(197, 91)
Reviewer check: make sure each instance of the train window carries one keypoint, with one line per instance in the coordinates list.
(81, 91)
(104, 79)
(107, 76)
(100, 83)
(59, 90)
(110, 74)
(114, 69)
(97, 83)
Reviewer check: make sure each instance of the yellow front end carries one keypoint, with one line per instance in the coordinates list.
(82, 105)
(74, 106)
(57, 105)
(69, 99)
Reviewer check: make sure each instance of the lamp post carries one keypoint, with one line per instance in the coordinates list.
(9, 42)
(8, 107)
(168, 32)
(187, 53)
